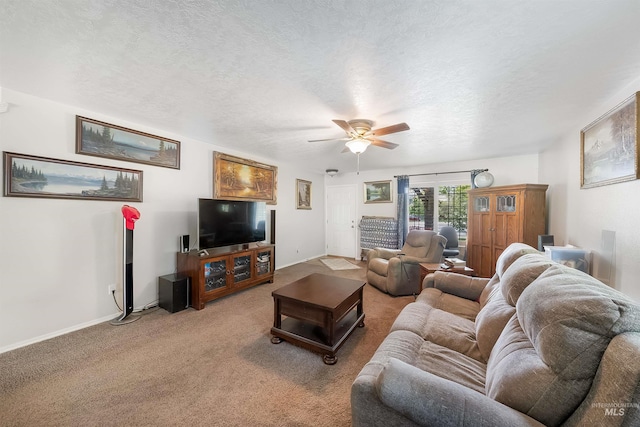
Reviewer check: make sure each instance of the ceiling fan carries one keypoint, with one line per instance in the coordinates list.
(360, 135)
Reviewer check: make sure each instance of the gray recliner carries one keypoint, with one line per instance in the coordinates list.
(396, 271)
(451, 234)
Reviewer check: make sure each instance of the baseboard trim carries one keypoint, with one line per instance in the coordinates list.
(299, 261)
(57, 333)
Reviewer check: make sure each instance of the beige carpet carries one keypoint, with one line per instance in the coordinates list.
(213, 367)
(338, 264)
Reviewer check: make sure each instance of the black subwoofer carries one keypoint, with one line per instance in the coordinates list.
(174, 292)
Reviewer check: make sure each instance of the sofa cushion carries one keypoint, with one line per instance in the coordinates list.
(490, 322)
(439, 327)
(436, 359)
(450, 303)
(564, 321)
(427, 399)
(494, 283)
(521, 273)
(510, 254)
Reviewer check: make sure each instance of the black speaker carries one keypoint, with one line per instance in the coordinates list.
(173, 292)
(544, 240)
(184, 243)
(272, 228)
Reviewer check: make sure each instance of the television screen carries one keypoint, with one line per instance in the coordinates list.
(230, 222)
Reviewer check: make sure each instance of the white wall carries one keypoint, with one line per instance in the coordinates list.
(57, 257)
(578, 216)
(506, 171)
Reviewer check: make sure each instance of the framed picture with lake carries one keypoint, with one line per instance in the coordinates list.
(377, 192)
(34, 176)
(609, 146)
(100, 139)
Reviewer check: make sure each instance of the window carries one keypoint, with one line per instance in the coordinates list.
(450, 208)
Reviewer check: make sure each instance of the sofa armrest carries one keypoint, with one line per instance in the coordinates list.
(456, 284)
(429, 400)
(383, 253)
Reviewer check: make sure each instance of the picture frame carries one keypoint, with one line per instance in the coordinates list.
(378, 192)
(235, 178)
(609, 146)
(303, 194)
(100, 139)
(35, 176)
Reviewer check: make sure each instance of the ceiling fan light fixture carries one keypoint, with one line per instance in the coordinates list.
(358, 145)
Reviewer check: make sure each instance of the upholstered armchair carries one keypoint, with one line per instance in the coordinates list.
(451, 248)
(396, 271)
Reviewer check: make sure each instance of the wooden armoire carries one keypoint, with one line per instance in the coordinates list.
(499, 216)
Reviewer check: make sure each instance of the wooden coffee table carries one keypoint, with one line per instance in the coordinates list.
(321, 312)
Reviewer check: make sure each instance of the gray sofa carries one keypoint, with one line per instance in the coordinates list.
(537, 344)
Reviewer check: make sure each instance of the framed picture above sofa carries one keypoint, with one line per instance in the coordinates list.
(609, 146)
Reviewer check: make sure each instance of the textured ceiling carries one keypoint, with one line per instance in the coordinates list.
(473, 79)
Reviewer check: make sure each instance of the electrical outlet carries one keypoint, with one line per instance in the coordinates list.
(111, 289)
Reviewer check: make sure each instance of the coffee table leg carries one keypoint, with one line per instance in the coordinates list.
(329, 359)
(277, 320)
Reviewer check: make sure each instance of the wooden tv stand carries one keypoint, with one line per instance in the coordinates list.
(226, 270)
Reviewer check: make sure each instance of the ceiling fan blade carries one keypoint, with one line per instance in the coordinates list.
(330, 139)
(346, 127)
(383, 144)
(389, 129)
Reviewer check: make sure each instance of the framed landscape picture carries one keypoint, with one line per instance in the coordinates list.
(100, 139)
(377, 192)
(609, 146)
(303, 194)
(235, 178)
(33, 176)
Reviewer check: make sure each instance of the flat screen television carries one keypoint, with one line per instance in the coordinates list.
(230, 222)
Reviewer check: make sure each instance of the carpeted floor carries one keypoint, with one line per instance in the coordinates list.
(339, 264)
(213, 367)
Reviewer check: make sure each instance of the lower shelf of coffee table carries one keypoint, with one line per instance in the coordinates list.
(314, 337)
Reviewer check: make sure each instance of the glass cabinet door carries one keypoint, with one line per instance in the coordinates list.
(263, 262)
(241, 268)
(506, 203)
(215, 274)
(481, 204)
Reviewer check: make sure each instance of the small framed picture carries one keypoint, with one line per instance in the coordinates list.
(377, 192)
(303, 194)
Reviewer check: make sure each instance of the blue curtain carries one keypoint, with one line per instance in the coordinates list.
(403, 208)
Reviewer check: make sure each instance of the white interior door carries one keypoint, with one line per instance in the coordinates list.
(341, 221)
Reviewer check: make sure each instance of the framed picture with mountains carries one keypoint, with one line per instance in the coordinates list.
(100, 139)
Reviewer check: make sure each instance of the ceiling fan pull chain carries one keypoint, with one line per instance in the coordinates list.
(358, 169)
